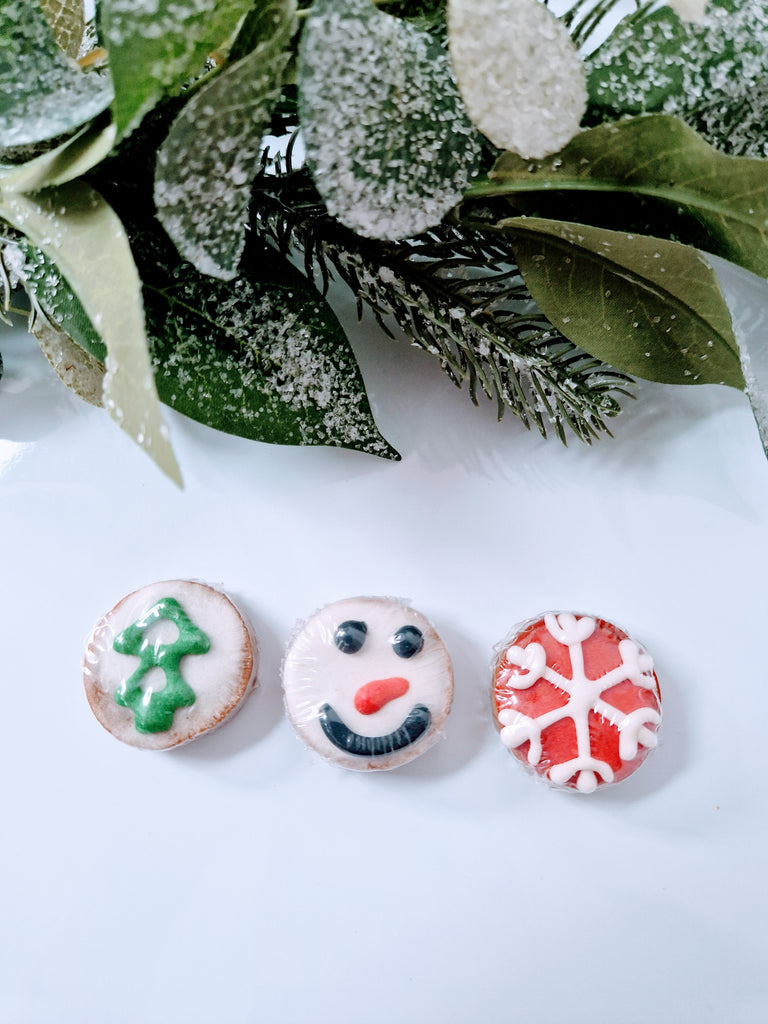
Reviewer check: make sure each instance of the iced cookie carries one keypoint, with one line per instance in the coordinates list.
(576, 700)
(168, 663)
(368, 683)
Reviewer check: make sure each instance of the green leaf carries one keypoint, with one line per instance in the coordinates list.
(42, 94)
(647, 306)
(154, 48)
(76, 229)
(662, 160)
(388, 141)
(207, 164)
(262, 356)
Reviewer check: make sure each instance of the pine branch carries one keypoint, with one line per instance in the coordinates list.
(458, 294)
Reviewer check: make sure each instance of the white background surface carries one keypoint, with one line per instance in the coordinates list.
(240, 879)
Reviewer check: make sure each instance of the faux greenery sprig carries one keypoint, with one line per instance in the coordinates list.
(529, 208)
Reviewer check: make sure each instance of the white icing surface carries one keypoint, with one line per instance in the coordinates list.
(316, 672)
(585, 695)
(220, 678)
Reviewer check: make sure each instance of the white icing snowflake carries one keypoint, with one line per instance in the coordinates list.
(522, 667)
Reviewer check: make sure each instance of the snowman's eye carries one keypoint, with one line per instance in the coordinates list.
(350, 636)
(407, 641)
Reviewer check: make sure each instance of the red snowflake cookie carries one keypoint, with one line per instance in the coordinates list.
(576, 700)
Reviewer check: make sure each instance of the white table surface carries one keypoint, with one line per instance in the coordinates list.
(240, 879)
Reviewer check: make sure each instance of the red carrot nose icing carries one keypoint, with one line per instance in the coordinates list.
(372, 697)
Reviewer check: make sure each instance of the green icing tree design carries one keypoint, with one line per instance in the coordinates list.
(153, 710)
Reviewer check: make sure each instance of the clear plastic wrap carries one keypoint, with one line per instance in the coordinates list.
(168, 663)
(368, 683)
(575, 699)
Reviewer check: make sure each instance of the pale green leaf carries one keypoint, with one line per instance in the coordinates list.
(660, 159)
(206, 166)
(71, 159)
(388, 140)
(157, 45)
(76, 229)
(42, 93)
(647, 306)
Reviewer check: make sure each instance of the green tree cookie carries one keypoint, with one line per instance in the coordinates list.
(153, 710)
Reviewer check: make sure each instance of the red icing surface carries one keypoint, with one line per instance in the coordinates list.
(601, 654)
(372, 697)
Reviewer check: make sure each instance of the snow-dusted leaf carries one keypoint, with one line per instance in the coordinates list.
(518, 72)
(660, 159)
(207, 163)
(647, 306)
(67, 161)
(388, 141)
(42, 94)
(654, 60)
(735, 122)
(156, 45)
(49, 291)
(67, 21)
(262, 356)
(76, 229)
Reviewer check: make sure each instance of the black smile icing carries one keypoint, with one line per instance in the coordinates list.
(341, 736)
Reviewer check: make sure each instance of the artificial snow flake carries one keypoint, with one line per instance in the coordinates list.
(518, 72)
(577, 700)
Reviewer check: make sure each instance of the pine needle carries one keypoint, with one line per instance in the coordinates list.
(457, 293)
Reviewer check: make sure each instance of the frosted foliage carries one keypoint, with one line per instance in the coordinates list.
(519, 73)
(735, 123)
(44, 95)
(206, 166)
(387, 139)
(155, 45)
(663, 63)
(262, 362)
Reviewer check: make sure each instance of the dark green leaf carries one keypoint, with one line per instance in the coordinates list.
(388, 140)
(264, 23)
(262, 356)
(42, 94)
(650, 307)
(662, 160)
(653, 59)
(52, 292)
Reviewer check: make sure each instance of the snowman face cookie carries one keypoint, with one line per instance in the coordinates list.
(368, 683)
